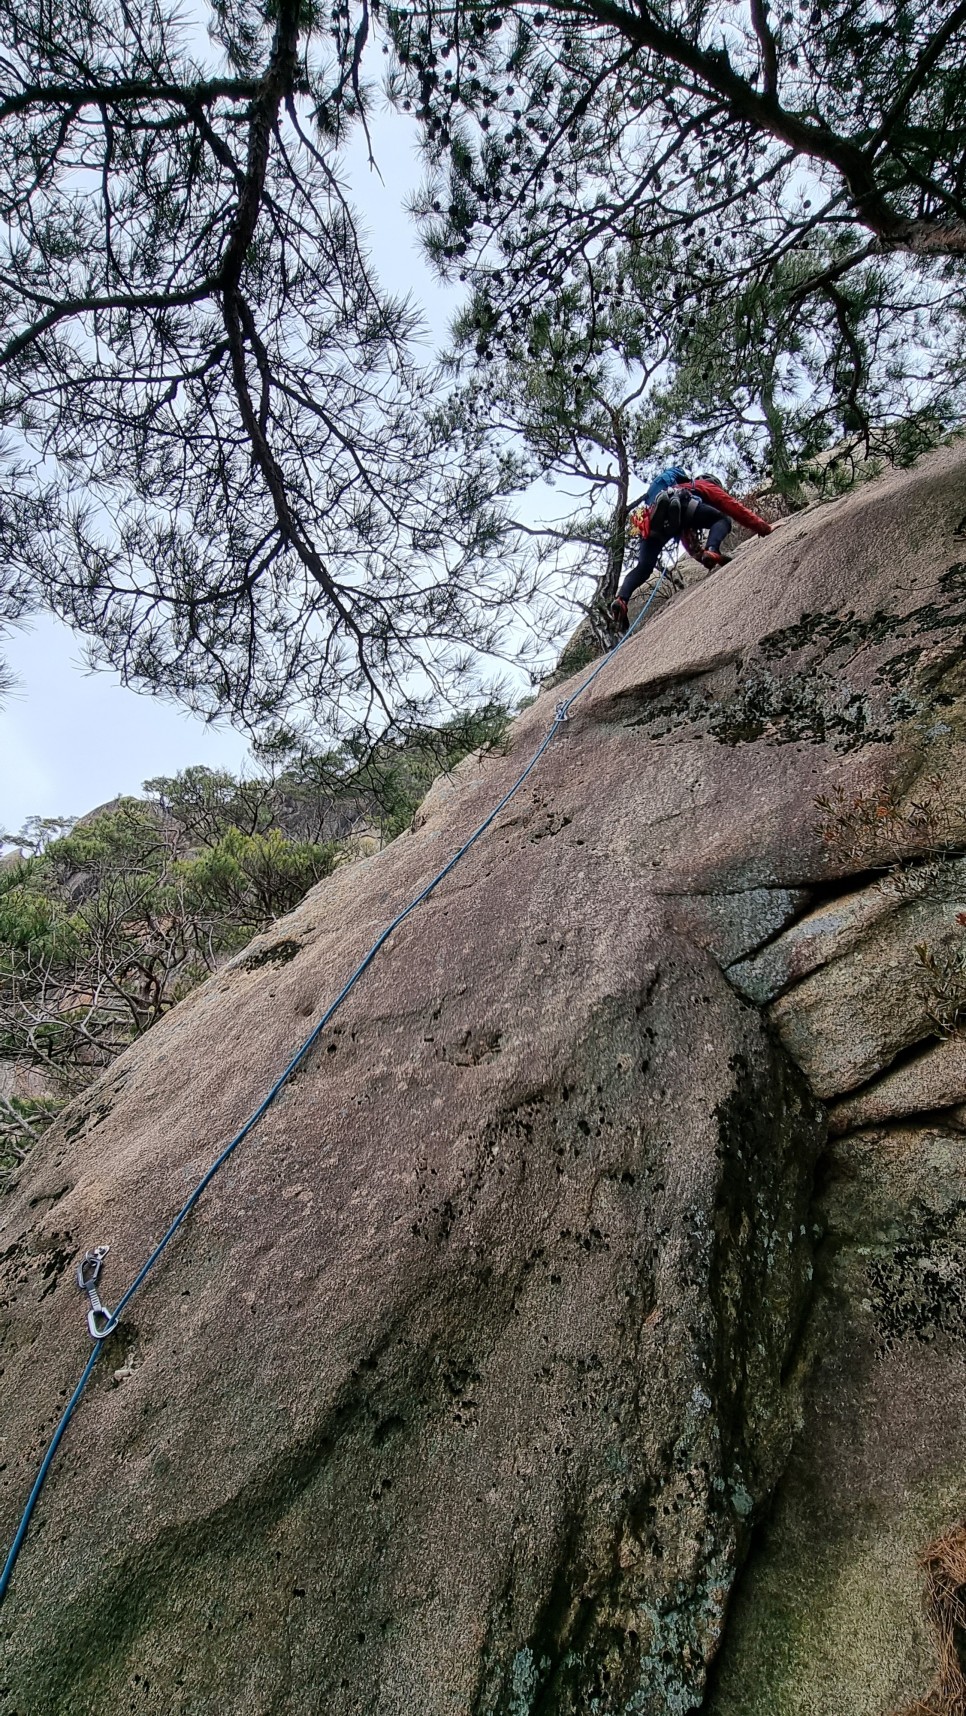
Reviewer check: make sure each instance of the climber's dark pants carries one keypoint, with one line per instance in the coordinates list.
(717, 534)
(701, 517)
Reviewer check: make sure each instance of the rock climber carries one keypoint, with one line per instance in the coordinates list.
(677, 506)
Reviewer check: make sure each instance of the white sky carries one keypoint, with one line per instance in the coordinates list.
(69, 739)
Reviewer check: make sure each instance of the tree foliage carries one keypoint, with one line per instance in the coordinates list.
(796, 175)
(217, 462)
(326, 795)
(22, 1122)
(581, 399)
(107, 922)
(109, 926)
(735, 233)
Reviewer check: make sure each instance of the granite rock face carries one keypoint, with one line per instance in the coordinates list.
(453, 1399)
(830, 1616)
(473, 1385)
(853, 1016)
(934, 1080)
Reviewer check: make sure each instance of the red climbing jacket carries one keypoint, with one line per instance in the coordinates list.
(716, 496)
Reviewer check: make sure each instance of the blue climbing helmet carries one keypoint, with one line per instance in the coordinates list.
(669, 478)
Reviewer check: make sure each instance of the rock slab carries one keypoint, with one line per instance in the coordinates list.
(469, 1380)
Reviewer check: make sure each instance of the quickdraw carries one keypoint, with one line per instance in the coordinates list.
(88, 1275)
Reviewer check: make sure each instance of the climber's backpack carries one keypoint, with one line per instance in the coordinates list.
(666, 479)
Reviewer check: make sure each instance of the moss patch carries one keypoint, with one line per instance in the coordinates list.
(796, 687)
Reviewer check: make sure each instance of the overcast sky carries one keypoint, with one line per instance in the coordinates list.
(70, 740)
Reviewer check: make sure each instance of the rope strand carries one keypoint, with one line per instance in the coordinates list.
(562, 713)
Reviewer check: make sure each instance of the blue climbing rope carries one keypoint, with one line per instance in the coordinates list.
(100, 1332)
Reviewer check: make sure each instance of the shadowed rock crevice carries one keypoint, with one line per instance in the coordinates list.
(860, 986)
(920, 1081)
(737, 924)
(828, 1613)
(695, 685)
(841, 917)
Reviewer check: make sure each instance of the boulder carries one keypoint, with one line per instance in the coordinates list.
(475, 1372)
(851, 1018)
(826, 934)
(935, 1079)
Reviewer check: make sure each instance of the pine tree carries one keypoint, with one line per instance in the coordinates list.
(573, 392)
(218, 462)
(801, 173)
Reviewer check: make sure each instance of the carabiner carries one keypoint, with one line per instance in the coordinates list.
(88, 1274)
(97, 1333)
(90, 1266)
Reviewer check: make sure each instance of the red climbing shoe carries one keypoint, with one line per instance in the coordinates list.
(711, 560)
(618, 614)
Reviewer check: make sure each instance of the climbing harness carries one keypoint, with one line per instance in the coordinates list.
(673, 511)
(668, 515)
(100, 1321)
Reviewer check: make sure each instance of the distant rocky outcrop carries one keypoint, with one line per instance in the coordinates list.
(583, 1330)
